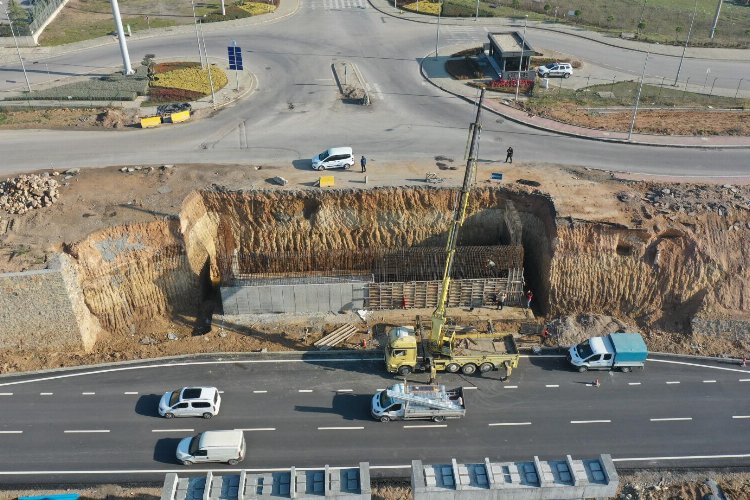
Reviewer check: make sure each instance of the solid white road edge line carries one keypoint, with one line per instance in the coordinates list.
(672, 419)
(698, 365)
(190, 363)
(688, 457)
(340, 428)
(497, 424)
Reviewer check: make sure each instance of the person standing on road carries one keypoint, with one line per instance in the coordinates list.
(529, 297)
(363, 163)
(501, 301)
(509, 155)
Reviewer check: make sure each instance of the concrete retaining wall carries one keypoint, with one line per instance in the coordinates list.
(293, 298)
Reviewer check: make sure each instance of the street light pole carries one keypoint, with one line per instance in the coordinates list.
(638, 97)
(687, 40)
(210, 77)
(197, 36)
(476, 16)
(128, 70)
(15, 40)
(437, 30)
(716, 19)
(523, 49)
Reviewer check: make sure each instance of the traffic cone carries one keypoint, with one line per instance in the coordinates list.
(744, 361)
(596, 383)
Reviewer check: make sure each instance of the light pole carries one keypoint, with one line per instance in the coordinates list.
(687, 40)
(128, 70)
(197, 36)
(210, 77)
(523, 49)
(476, 16)
(716, 19)
(638, 97)
(15, 40)
(437, 30)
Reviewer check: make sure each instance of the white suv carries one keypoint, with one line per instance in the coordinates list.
(190, 402)
(333, 158)
(555, 69)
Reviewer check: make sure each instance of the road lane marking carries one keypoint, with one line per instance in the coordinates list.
(552, 385)
(497, 424)
(259, 392)
(11, 432)
(590, 421)
(510, 387)
(46, 393)
(672, 419)
(305, 390)
(470, 388)
(221, 392)
(257, 429)
(340, 428)
(672, 382)
(192, 363)
(745, 380)
(740, 416)
(6, 393)
(687, 457)
(425, 426)
(697, 365)
(84, 431)
(172, 430)
(88, 393)
(165, 471)
(634, 383)
(344, 390)
(709, 381)
(131, 392)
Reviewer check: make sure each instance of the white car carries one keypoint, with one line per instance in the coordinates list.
(555, 69)
(334, 158)
(190, 402)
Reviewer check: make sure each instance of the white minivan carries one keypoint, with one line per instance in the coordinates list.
(212, 446)
(333, 158)
(190, 402)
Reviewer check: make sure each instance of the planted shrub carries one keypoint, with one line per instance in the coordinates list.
(192, 78)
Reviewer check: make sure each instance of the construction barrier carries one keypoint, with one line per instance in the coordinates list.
(150, 121)
(326, 181)
(179, 117)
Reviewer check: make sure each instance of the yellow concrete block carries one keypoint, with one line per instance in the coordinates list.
(326, 181)
(150, 121)
(180, 117)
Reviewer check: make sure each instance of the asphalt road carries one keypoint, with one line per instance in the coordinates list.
(409, 120)
(97, 425)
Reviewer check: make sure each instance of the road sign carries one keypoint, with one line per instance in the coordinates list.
(235, 57)
(496, 176)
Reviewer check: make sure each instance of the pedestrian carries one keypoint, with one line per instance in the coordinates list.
(529, 296)
(501, 301)
(509, 155)
(597, 383)
(363, 163)
(433, 373)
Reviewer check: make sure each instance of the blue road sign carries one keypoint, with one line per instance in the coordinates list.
(496, 176)
(235, 57)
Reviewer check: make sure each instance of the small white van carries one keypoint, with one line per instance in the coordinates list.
(333, 158)
(190, 402)
(212, 446)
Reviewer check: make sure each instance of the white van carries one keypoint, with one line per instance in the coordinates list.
(212, 446)
(333, 158)
(190, 402)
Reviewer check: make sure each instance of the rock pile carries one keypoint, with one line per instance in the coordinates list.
(696, 199)
(27, 192)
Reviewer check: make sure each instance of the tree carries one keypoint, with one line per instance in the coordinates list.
(515, 4)
(641, 26)
(677, 31)
(610, 19)
(548, 7)
(577, 13)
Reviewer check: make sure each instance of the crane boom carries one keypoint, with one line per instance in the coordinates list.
(438, 316)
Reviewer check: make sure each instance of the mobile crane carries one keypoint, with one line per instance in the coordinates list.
(447, 349)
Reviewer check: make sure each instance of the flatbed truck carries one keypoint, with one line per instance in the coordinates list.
(408, 402)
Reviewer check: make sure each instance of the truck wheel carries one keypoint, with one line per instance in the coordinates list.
(582, 369)
(452, 368)
(486, 367)
(187, 462)
(469, 369)
(438, 418)
(233, 462)
(626, 369)
(385, 418)
(404, 370)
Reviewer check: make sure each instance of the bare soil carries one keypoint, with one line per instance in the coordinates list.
(67, 118)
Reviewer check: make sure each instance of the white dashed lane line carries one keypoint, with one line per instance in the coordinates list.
(6, 393)
(340, 428)
(88, 393)
(425, 426)
(172, 430)
(590, 421)
(740, 416)
(87, 431)
(46, 393)
(672, 419)
(259, 392)
(131, 393)
(745, 380)
(11, 432)
(501, 424)
(257, 429)
(671, 382)
(510, 387)
(634, 383)
(552, 385)
(304, 390)
(709, 381)
(344, 390)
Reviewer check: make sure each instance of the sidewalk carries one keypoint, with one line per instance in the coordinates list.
(433, 70)
(504, 23)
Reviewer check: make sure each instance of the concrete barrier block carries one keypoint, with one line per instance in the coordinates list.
(150, 121)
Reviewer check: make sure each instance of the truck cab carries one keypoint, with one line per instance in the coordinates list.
(401, 352)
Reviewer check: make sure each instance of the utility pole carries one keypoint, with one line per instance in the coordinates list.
(638, 97)
(523, 50)
(128, 70)
(476, 16)
(198, 37)
(716, 19)
(437, 30)
(687, 40)
(210, 78)
(23, 67)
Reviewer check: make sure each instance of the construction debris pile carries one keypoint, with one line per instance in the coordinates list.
(28, 192)
(694, 199)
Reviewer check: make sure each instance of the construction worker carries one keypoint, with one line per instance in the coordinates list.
(433, 373)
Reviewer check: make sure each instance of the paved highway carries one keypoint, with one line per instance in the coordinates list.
(409, 120)
(101, 424)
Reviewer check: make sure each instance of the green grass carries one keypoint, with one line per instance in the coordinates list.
(625, 94)
(59, 35)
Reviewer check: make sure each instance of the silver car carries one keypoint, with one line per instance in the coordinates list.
(190, 402)
(555, 69)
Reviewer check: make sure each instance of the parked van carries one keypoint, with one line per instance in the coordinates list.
(190, 402)
(212, 446)
(334, 158)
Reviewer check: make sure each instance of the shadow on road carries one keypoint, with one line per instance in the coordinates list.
(165, 449)
(348, 406)
(148, 405)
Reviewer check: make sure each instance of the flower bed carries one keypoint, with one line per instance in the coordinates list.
(423, 7)
(191, 78)
(509, 86)
(257, 8)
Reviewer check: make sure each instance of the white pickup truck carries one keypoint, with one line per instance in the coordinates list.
(405, 402)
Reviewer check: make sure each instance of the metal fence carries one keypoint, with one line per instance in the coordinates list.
(40, 11)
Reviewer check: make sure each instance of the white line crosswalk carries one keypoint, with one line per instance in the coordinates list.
(337, 4)
(462, 34)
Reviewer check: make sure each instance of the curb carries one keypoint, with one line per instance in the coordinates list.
(428, 20)
(572, 134)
